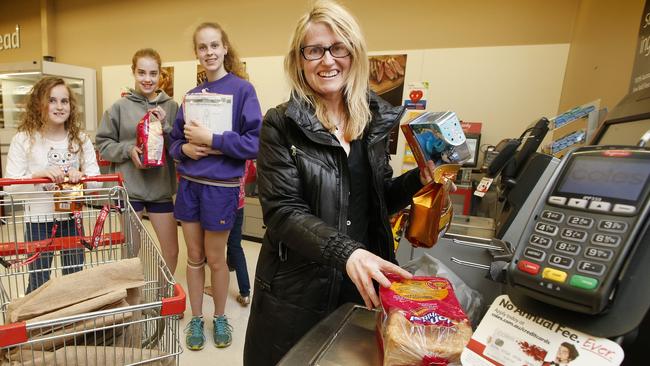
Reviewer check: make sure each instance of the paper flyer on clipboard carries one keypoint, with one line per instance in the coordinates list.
(212, 110)
(510, 336)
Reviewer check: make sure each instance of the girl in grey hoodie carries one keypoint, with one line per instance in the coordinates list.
(152, 188)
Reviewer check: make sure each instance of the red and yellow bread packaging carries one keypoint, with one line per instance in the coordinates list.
(422, 323)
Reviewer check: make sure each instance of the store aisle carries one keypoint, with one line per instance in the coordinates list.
(237, 314)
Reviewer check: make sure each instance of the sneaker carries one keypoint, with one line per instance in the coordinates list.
(194, 337)
(222, 332)
(243, 300)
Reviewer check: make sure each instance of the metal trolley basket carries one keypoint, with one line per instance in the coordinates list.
(98, 229)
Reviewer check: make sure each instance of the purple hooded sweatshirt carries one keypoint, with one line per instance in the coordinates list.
(237, 145)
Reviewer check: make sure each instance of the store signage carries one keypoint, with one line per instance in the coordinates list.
(641, 71)
(10, 40)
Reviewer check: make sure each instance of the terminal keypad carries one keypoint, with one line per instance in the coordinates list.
(573, 247)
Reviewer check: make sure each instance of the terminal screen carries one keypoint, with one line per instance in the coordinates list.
(617, 178)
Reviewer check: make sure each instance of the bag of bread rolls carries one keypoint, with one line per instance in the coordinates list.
(150, 141)
(422, 323)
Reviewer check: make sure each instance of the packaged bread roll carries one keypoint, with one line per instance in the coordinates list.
(422, 323)
(150, 141)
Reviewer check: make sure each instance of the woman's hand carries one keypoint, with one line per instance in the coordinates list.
(74, 176)
(135, 157)
(158, 112)
(362, 267)
(197, 134)
(426, 175)
(55, 173)
(195, 152)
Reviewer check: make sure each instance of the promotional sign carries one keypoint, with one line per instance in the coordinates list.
(641, 71)
(509, 336)
(417, 95)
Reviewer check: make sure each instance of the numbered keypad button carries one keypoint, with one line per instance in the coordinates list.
(544, 228)
(552, 216)
(599, 253)
(560, 261)
(609, 240)
(567, 248)
(535, 254)
(540, 241)
(591, 268)
(578, 221)
(612, 226)
(572, 234)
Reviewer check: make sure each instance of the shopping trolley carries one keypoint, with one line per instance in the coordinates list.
(105, 229)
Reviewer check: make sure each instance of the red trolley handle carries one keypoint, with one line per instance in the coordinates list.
(95, 178)
(99, 225)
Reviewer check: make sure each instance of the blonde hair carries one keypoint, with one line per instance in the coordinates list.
(344, 25)
(231, 61)
(146, 52)
(36, 114)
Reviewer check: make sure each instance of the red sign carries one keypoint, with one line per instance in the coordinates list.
(471, 128)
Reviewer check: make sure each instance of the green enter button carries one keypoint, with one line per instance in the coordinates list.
(583, 282)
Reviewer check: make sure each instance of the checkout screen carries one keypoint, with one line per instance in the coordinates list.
(617, 178)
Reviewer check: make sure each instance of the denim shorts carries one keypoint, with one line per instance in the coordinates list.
(214, 207)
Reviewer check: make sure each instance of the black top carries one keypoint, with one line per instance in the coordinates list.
(359, 168)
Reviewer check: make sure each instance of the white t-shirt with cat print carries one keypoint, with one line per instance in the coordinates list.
(27, 156)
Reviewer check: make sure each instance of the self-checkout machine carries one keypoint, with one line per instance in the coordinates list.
(581, 248)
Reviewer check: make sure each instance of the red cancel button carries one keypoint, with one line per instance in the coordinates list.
(528, 267)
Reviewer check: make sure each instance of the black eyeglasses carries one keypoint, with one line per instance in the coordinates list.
(311, 53)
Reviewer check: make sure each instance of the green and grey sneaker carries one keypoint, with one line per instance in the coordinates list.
(194, 337)
(222, 332)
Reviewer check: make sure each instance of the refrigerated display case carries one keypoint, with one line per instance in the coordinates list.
(17, 80)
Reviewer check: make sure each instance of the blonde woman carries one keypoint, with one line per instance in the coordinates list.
(325, 186)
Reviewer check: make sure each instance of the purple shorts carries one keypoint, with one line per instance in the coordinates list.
(153, 207)
(214, 207)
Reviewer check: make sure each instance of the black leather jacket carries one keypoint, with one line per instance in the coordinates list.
(303, 182)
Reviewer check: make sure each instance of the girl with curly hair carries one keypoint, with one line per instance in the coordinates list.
(50, 144)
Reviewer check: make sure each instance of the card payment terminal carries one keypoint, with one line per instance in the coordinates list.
(586, 226)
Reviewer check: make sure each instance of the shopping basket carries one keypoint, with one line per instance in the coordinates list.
(105, 229)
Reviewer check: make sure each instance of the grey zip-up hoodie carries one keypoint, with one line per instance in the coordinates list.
(117, 136)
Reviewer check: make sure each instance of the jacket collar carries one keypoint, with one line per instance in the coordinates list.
(384, 118)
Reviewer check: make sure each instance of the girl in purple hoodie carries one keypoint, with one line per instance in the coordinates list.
(210, 165)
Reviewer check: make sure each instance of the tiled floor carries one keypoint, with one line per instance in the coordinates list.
(237, 314)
